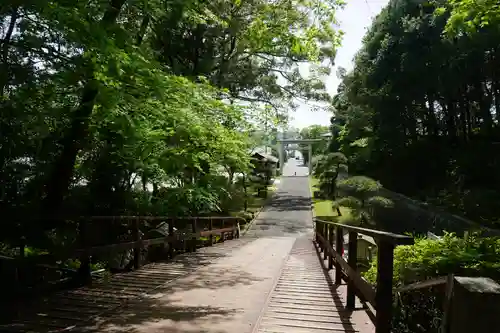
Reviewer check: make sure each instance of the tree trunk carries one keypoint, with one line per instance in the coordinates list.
(431, 116)
(450, 120)
(144, 181)
(334, 188)
(4, 68)
(62, 172)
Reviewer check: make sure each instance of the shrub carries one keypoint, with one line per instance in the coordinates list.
(422, 310)
(359, 194)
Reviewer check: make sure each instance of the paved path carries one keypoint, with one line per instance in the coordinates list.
(269, 281)
(289, 212)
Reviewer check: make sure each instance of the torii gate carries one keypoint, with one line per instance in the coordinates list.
(282, 142)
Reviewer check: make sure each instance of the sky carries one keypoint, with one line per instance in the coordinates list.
(354, 20)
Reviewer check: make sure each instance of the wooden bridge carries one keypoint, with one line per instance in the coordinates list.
(220, 282)
(285, 274)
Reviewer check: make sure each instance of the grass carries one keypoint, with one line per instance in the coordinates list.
(324, 208)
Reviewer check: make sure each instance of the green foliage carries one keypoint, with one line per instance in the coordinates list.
(98, 111)
(470, 16)
(419, 111)
(327, 169)
(360, 186)
(336, 162)
(133, 108)
(427, 259)
(313, 132)
(123, 107)
(360, 195)
(253, 48)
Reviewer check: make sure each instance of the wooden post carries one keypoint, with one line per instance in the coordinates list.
(339, 247)
(315, 226)
(320, 232)
(383, 297)
(475, 305)
(352, 261)
(445, 322)
(138, 247)
(171, 243)
(326, 234)
(330, 237)
(193, 238)
(210, 228)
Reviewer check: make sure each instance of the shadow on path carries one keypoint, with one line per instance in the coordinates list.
(131, 299)
(290, 203)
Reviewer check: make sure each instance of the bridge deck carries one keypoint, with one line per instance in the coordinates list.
(270, 281)
(304, 298)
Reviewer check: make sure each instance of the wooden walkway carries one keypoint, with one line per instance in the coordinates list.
(304, 298)
(214, 290)
(82, 309)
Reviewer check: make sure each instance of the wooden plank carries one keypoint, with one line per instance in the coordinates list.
(291, 309)
(138, 247)
(335, 326)
(331, 238)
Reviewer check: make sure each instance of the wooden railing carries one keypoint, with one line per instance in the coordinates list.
(330, 239)
(88, 228)
(471, 304)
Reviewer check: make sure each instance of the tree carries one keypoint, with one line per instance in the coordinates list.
(91, 120)
(360, 195)
(419, 111)
(470, 16)
(327, 169)
(313, 132)
(143, 107)
(243, 47)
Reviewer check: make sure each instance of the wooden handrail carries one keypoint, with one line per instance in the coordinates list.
(145, 217)
(379, 297)
(161, 218)
(439, 281)
(83, 250)
(395, 239)
(65, 253)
